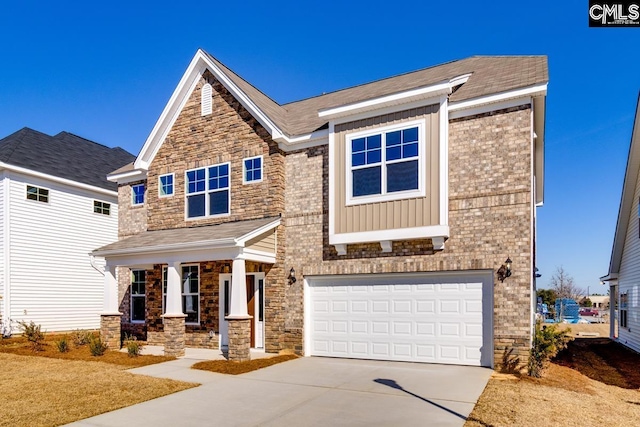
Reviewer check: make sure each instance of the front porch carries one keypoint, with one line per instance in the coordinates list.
(196, 287)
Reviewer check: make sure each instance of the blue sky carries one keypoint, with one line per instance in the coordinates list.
(105, 72)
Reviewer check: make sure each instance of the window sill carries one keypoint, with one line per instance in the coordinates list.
(439, 233)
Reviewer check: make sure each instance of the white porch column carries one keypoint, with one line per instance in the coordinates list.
(110, 305)
(174, 291)
(238, 304)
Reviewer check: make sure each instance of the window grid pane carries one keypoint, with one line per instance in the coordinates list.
(138, 194)
(166, 185)
(101, 207)
(253, 169)
(37, 194)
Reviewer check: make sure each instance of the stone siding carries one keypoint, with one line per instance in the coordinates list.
(110, 331)
(239, 340)
(131, 219)
(174, 336)
(490, 218)
(230, 134)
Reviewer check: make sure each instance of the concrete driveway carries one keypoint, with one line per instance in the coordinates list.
(310, 391)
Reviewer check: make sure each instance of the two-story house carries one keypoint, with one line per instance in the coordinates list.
(373, 222)
(56, 206)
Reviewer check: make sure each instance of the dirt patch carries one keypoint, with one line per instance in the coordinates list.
(236, 368)
(598, 330)
(20, 346)
(594, 378)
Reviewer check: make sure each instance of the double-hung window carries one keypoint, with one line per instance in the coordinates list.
(138, 280)
(207, 191)
(165, 185)
(624, 300)
(386, 164)
(103, 208)
(190, 289)
(137, 194)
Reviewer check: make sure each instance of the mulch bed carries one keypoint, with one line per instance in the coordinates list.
(236, 368)
(20, 346)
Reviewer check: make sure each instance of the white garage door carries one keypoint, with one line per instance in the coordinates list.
(415, 318)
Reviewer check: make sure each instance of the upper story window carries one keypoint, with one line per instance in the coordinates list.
(385, 164)
(252, 169)
(37, 193)
(137, 193)
(165, 185)
(207, 191)
(103, 208)
(206, 101)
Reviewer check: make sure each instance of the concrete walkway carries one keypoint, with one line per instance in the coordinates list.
(309, 391)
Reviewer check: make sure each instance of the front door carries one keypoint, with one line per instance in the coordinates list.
(255, 308)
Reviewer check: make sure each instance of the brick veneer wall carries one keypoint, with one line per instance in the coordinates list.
(131, 219)
(490, 218)
(229, 134)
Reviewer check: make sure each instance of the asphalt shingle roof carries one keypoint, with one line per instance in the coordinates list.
(64, 155)
(489, 75)
(185, 236)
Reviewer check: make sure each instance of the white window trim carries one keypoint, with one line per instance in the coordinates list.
(133, 195)
(131, 297)
(26, 193)
(384, 197)
(173, 185)
(164, 295)
(206, 192)
(244, 170)
(93, 206)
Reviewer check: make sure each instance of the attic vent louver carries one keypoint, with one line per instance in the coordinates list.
(206, 101)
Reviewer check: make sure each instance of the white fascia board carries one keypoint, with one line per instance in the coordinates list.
(485, 108)
(206, 254)
(124, 177)
(435, 90)
(257, 256)
(59, 180)
(240, 241)
(529, 91)
(411, 233)
(301, 142)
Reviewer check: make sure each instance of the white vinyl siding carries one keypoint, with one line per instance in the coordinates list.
(52, 281)
(629, 278)
(2, 243)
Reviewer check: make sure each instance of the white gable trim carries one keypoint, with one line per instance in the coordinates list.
(526, 92)
(59, 180)
(187, 84)
(130, 176)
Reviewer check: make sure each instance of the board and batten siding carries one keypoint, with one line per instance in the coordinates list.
(52, 280)
(395, 214)
(629, 277)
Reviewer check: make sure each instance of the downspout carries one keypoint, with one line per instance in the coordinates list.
(92, 261)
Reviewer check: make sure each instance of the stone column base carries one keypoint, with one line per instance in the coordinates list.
(174, 335)
(239, 339)
(110, 330)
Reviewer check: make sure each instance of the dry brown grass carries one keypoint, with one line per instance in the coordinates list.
(236, 368)
(40, 391)
(19, 345)
(568, 393)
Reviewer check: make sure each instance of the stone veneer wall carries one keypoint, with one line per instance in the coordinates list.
(490, 218)
(229, 134)
(131, 219)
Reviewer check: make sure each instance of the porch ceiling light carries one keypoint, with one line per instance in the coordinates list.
(292, 275)
(505, 270)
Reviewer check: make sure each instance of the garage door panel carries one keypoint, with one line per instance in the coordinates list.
(407, 321)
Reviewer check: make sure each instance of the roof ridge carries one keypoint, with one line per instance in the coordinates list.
(379, 80)
(22, 132)
(80, 137)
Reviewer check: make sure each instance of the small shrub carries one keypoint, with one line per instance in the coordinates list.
(81, 337)
(33, 334)
(62, 344)
(134, 347)
(547, 342)
(97, 346)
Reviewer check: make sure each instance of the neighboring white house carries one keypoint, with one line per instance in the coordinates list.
(624, 268)
(56, 205)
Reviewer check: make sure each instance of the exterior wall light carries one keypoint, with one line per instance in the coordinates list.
(292, 276)
(505, 270)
